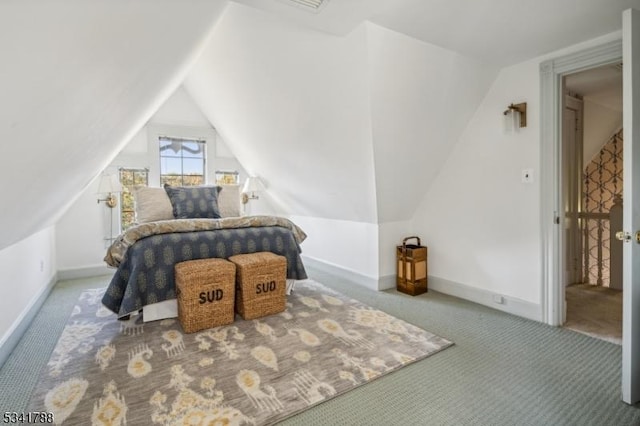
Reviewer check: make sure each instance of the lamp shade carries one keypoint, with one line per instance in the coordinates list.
(511, 121)
(109, 184)
(253, 184)
(515, 120)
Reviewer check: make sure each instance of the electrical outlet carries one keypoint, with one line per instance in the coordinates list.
(41, 265)
(498, 299)
(527, 175)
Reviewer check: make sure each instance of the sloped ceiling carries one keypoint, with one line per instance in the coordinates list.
(77, 80)
(292, 104)
(348, 127)
(280, 87)
(501, 32)
(602, 85)
(421, 97)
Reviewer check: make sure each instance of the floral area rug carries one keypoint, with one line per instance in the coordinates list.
(109, 372)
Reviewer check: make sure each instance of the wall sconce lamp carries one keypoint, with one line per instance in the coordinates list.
(110, 185)
(252, 185)
(515, 116)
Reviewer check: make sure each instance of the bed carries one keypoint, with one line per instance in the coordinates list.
(145, 255)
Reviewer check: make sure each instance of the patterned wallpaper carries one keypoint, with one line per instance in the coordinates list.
(602, 180)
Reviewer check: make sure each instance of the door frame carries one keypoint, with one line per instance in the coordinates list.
(551, 104)
(573, 273)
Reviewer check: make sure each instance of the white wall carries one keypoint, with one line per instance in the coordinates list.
(349, 246)
(28, 271)
(421, 98)
(481, 222)
(81, 231)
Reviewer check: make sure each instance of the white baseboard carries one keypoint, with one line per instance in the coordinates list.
(383, 283)
(386, 282)
(22, 322)
(84, 272)
(509, 304)
(339, 271)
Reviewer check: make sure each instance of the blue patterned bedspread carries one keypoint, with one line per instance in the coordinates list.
(146, 274)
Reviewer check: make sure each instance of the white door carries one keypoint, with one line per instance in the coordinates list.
(631, 207)
(572, 190)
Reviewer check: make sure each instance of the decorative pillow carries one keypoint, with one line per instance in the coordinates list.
(151, 204)
(229, 201)
(194, 202)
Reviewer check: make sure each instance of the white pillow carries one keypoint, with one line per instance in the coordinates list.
(152, 204)
(229, 201)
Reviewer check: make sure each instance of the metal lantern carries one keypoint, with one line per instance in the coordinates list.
(411, 261)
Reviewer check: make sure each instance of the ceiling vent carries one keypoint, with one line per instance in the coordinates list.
(309, 5)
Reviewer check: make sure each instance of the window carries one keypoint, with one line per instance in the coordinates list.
(182, 161)
(226, 177)
(130, 178)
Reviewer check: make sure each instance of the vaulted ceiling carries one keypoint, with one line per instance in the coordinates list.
(502, 32)
(79, 78)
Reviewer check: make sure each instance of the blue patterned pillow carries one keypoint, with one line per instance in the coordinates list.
(193, 202)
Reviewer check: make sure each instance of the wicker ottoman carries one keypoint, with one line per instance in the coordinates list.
(205, 290)
(261, 279)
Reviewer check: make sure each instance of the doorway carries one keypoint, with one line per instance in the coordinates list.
(552, 290)
(591, 191)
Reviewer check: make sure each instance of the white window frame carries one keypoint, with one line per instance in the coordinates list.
(155, 131)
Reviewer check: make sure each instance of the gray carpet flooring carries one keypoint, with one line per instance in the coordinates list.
(503, 370)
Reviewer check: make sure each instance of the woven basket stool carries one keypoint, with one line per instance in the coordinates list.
(261, 280)
(205, 290)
